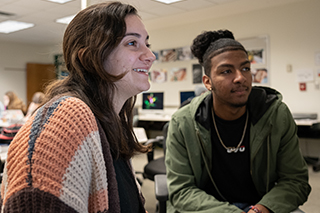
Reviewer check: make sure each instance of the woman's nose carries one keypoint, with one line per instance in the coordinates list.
(148, 56)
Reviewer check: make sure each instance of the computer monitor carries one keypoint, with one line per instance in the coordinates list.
(184, 95)
(152, 101)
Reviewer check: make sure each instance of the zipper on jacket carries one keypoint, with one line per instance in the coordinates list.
(206, 164)
(268, 163)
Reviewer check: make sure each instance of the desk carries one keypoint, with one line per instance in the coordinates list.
(309, 140)
(153, 123)
(3, 152)
(155, 117)
(306, 122)
(4, 124)
(140, 134)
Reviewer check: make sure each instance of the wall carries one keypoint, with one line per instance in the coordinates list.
(294, 35)
(293, 31)
(13, 61)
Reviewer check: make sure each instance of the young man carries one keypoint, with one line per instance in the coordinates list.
(235, 148)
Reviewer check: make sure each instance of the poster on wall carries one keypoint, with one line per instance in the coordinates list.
(158, 76)
(184, 54)
(260, 75)
(168, 55)
(156, 54)
(197, 73)
(257, 48)
(178, 74)
(61, 69)
(256, 56)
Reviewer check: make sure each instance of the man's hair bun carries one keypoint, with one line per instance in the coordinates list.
(202, 42)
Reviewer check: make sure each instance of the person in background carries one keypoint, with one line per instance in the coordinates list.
(73, 154)
(1, 108)
(235, 148)
(12, 101)
(37, 99)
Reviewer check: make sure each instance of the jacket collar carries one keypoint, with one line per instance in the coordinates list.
(260, 99)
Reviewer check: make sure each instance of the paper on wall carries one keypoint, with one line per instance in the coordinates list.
(305, 75)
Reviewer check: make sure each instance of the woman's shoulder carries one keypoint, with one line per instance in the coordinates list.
(68, 103)
(67, 108)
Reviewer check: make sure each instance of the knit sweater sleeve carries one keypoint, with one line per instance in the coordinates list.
(55, 163)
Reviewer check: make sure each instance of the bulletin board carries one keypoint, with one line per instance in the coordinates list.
(177, 70)
(258, 53)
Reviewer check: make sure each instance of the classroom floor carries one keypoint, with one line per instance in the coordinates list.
(311, 206)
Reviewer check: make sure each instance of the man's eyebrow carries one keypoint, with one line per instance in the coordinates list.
(245, 62)
(230, 65)
(225, 65)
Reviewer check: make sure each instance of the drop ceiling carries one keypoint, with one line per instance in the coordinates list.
(47, 32)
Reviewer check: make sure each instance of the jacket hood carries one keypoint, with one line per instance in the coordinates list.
(260, 99)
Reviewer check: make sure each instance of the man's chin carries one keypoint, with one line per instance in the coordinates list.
(239, 104)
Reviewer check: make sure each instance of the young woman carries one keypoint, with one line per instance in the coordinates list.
(12, 101)
(73, 155)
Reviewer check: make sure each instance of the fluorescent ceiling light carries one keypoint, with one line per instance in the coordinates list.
(60, 1)
(12, 26)
(65, 20)
(168, 1)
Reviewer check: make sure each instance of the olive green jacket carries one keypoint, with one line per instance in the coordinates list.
(278, 169)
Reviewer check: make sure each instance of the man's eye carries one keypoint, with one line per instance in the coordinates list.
(246, 69)
(226, 71)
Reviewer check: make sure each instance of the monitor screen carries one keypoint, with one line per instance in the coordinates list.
(152, 100)
(184, 95)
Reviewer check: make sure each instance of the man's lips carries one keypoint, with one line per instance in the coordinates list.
(240, 90)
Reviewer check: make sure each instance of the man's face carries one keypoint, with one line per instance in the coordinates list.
(230, 79)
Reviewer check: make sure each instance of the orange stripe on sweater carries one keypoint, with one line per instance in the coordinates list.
(58, 142)
(54, 148)
(17, 162)
(98, 199)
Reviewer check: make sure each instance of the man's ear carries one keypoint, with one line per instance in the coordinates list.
(207, 82)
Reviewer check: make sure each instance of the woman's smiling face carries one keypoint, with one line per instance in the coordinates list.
(133, 57)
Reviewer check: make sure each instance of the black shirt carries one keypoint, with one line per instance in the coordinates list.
(130, 201)
(231, 171)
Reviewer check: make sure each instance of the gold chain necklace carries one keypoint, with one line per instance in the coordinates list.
(231, 149)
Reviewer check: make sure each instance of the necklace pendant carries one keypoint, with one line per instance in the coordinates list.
(242, 148)
(232, 149)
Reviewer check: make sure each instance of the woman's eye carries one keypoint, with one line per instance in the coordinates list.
(132, 43)
(148, 45)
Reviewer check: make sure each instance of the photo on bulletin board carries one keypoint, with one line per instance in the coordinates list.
(158, 76)
(197, 73)
(256, 56)
(178, 74)
(258, 51)
(184, 54)
(60, 65)
(260, 75)
(168, 55)
(156, 54)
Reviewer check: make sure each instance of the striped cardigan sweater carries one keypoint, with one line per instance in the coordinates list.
(60, 161)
